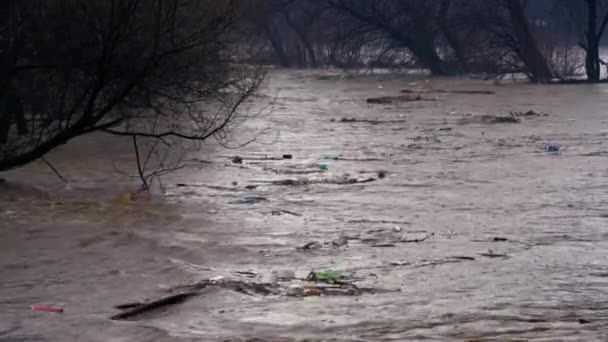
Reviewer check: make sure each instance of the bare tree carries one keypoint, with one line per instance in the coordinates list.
(526, 45)
(596, 19)
(451, 34)
(291, 29)
(266, 21)
(409, 24)
(141, 68)
(509, 39)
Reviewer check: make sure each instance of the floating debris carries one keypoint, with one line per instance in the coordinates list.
(336, 180)
(340, 242)
(433, 262)
(467, 258)
(377, 221)
(384, 245)
(240, 160)
(292, 182)
(400, 263)
(329, 277)
(285, 274)
(310, 291)
(249, 200)
(457, 91)
(359, 159)
(310, 246)
(499, 239)
(248, 274)
(448, 260)
(510, 117)
(528, 113)
(134, 311)
(43, 308)
(329, 283)
(500, 119)
(393, 99)
(416, 240)
(281, 212)
(334, 290)
(491, 254)
(128, 306)
(552, 148)
(391, 241)
(471, 92)
(370, 121)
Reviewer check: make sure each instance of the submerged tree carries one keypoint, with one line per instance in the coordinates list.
(591, 19)
(142, 68)
(407, 24)
(525, 43)
(511, 37)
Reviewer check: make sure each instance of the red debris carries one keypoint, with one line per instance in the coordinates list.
(46, 309)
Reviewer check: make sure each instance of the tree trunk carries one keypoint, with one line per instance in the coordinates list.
(426, 53)
(452, 40)
(300, 54)
(312, 58)
(11, 111)
(423, 48)
(527, 48)
(5, 120)
(277, 47)
(592, 59)
(421, 43)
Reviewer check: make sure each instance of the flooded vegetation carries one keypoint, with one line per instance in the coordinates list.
(411, 220)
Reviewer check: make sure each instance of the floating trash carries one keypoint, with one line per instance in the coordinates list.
(329, 277)
(552, 148)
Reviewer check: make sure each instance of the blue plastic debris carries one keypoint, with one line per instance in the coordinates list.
(552, 148)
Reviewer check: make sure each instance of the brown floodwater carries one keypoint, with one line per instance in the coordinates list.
(514, 238)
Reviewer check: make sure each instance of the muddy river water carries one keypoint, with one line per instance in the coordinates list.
(475, 230)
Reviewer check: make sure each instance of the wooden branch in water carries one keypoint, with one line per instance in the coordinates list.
(133, 310)
(279, 212)
(55, 171)
(154, 305)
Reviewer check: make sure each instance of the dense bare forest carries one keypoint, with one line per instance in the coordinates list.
(134, 67)
(542, 39)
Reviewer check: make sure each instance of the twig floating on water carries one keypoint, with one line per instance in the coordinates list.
(55, 171)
